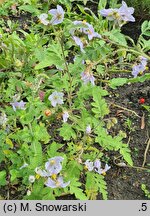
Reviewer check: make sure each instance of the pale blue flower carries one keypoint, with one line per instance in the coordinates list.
(126, 13)
(87, 77)
(143, 61)
(96, 166)
(65, 116)
(89, 165)
(91, 33)
(18, 105)
(43, 19)
(59, 182)
(136, 69)
(97, 163)
(78, 42)
(99, 169)
(57, 15)
(139, 68)
(56, 98)
(88, 129)
(111, 14)
(53, 166)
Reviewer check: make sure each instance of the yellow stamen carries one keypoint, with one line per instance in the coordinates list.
(37, 176)
(54, 176)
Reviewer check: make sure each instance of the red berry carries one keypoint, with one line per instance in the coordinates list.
(141, 101)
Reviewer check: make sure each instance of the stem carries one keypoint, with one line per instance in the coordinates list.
(145, 153)
(115, 105)
(69, 76)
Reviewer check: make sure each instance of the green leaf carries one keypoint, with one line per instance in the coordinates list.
(30, 9)
(53, 148)
(37, 157)
(95, 183)
(115, 82)
(117, 37)
(74, 169)
(91, 188)
(50, 60)
(14, 175)
(75, 189)
(126, 153)
(100, 106)
(40, 132)
(67, 132)
(99, 180)
(3, 178)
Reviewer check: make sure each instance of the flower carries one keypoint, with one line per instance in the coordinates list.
(91, 33)
(31, 178)
(78, 41)
(18, 105)
(58, 15)
(88, 129)
(89, 165)
(41, 173)
(96, 166)
(99, 169)
(126, 13)
(143, 61)
(87, 77)
(65, 116)
(139, 68)
(59, 182)
(24, 165)
(56, 98)
(28, 192)
(53, 166)
(3, 119)
(43, 19)
(111, 14)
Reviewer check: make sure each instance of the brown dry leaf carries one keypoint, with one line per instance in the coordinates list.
(143, 121)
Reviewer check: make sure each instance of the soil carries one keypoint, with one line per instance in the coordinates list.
(125, 183)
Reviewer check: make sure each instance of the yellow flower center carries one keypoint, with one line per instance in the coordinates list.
(52, 162)
(37, 176)
(54, 176)
(59, 16)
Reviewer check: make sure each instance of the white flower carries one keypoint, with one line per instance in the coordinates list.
(65, 116)
(56, 98)
(88, 129)
(3, 119)
(78, 41)
(31, 178)
(91, 33)
(126, 12)
(89, 165)
(18, 105)
(41, 173)
(43, 19)
(58, 15)
(87, 77)
(23, 166)
(28, 192)
(59, 182)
